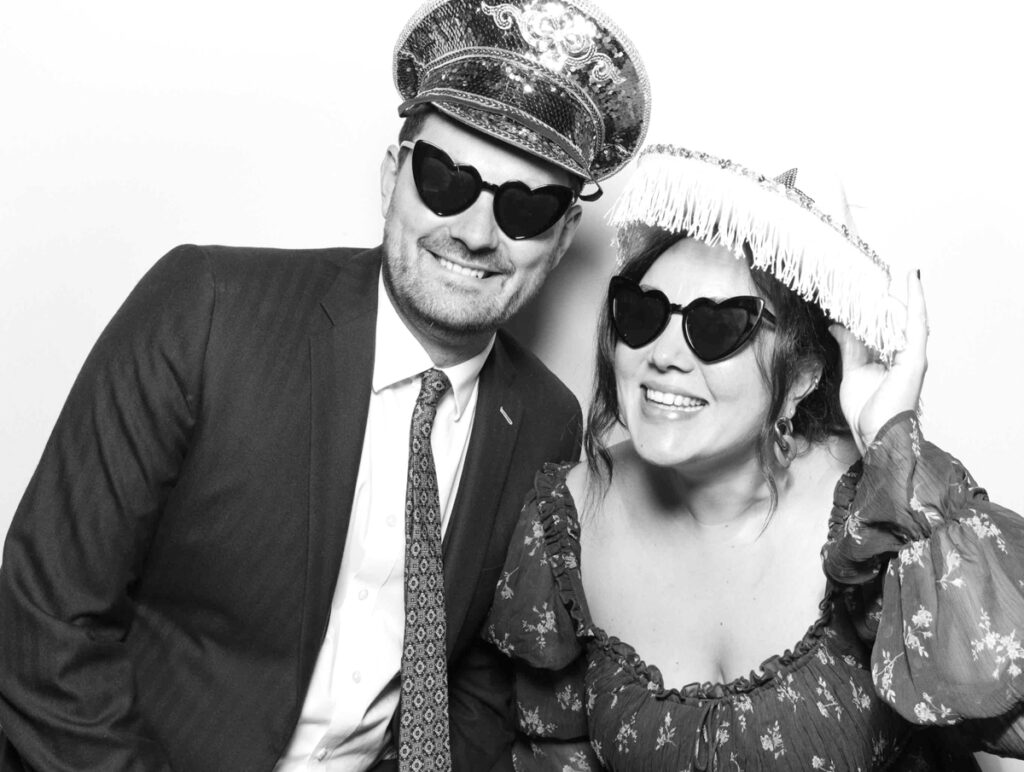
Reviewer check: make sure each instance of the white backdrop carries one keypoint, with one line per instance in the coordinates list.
(129, 127)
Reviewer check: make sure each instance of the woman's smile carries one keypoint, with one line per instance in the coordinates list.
(673, 400)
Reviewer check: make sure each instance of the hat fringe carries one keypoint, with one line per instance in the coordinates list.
(723, 204)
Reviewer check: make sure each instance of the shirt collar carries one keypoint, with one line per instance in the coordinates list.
(399, 357)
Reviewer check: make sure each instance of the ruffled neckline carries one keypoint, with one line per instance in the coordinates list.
(624, 654)
(560, 521)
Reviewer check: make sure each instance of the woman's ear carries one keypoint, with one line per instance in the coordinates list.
(805, 382)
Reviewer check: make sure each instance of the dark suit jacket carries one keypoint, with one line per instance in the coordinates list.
(167, 579)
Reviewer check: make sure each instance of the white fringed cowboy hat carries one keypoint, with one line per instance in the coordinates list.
(806, 241)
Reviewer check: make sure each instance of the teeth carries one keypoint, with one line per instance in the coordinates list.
(673, 400)
(455, 268)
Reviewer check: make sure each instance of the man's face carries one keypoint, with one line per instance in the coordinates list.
(461, 276)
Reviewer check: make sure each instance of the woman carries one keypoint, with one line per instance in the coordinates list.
(665, 604)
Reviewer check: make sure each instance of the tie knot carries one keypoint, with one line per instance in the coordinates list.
(433, 386)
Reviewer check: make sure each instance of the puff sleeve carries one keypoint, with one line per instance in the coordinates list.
(938, 573)
(536, 619)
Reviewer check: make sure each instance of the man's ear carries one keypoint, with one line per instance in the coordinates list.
(572, 222)
(389, 169)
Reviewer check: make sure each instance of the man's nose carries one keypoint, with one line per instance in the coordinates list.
(476, 227)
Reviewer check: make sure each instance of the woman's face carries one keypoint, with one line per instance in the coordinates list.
(679, 411)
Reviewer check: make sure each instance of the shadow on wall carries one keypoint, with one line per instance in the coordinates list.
(559, 325)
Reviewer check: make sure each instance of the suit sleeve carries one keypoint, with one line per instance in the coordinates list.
(481, 692)
(480, 710)
(79, 538)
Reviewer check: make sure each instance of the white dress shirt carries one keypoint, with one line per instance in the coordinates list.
(355, 686)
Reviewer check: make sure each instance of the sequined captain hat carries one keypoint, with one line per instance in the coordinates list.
(804, 236)
(552, 77)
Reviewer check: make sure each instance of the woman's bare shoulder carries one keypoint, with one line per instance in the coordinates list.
(590, 488)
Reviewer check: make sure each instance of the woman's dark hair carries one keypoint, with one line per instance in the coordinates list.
(801, 339)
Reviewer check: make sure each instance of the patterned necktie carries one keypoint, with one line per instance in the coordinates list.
(423, 738)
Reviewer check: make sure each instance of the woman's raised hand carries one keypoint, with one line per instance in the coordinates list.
(871, 393)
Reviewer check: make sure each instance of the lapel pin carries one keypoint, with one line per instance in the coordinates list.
(505, 415)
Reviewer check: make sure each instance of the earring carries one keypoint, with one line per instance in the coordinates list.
(784, 439)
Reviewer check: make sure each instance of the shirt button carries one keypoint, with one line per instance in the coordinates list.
(391, 520)
(362, 594)
(357, 676)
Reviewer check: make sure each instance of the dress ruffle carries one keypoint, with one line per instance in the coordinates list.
(765, 674)
(539, 616)
(539, 619)
(560, 521)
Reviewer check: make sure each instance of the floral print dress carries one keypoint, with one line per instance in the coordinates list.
(914, 661)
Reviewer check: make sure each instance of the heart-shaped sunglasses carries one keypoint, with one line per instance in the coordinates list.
(714, 330)
(447, 188)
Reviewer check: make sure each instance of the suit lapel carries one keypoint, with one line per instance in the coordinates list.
(341, 370)
(495, 426)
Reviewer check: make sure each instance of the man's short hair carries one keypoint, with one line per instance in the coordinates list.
(413, 123)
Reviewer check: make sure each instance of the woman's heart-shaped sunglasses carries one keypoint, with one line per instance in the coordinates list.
(447, 188)
(714, 330)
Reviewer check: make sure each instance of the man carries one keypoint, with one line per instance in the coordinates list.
(268, 524)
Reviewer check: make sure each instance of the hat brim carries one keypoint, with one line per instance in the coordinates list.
(500, 126)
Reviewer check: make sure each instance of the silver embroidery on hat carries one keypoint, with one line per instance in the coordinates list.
(562, 39)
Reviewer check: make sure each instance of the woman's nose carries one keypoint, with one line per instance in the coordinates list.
(670, 349)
